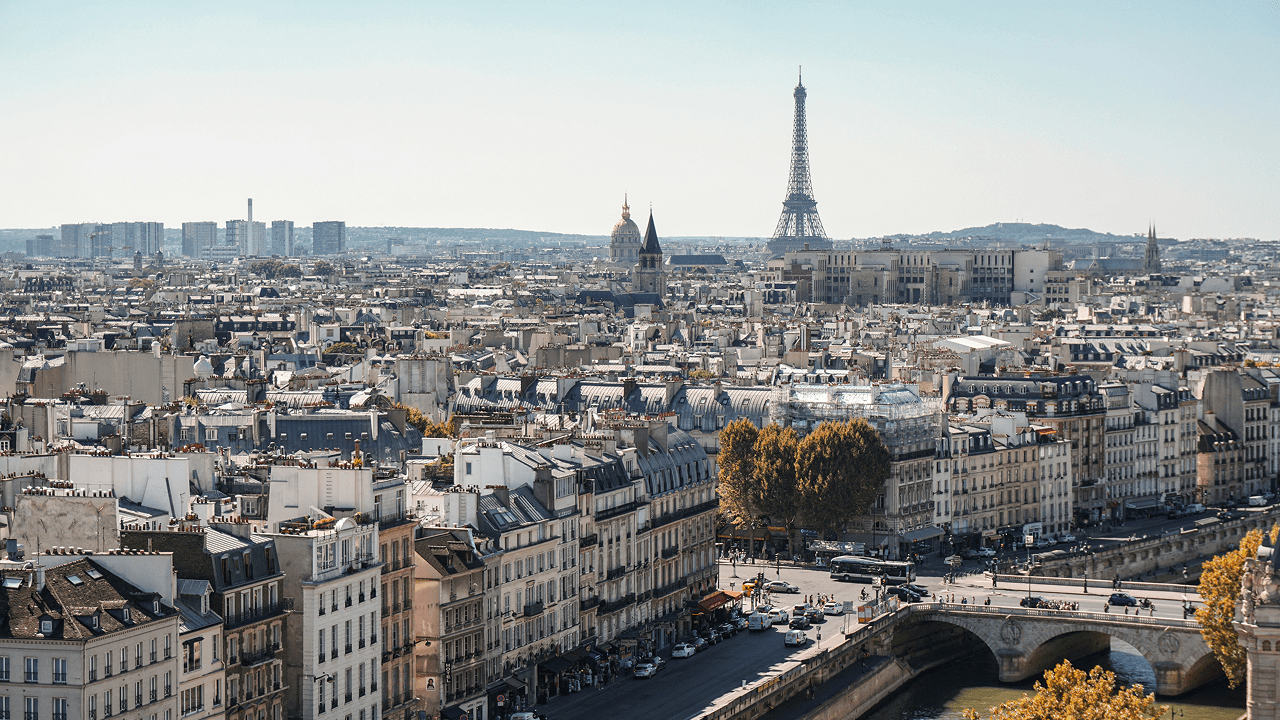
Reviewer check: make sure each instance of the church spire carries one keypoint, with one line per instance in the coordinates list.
(1151, 261)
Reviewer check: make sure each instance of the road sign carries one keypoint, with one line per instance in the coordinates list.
(848, 606)
(502, 699)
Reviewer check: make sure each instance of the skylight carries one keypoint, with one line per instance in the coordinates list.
(94, 574)
(75, 580)
(12, 582)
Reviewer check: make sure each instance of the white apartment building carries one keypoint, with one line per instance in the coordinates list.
(332, 651)
(201, 692)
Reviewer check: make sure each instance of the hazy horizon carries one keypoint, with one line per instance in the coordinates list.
(921, 118)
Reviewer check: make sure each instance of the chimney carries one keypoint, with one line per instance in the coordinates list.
(39, 577)
(658, 431)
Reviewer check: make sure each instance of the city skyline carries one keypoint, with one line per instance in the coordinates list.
(924, 119)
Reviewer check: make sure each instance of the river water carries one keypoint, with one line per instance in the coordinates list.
(944, 692)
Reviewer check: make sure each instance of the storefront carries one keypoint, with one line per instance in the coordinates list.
(921, 541)
(506, 697)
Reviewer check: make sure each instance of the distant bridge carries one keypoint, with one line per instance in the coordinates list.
(1028, 641)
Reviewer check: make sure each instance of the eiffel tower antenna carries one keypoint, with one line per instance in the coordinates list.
(799, 225)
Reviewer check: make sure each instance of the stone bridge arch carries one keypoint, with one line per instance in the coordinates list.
(1026, 643)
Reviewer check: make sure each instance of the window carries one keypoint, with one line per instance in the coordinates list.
(32, 670)
(4, 668)
(60, 671)
(168, 646)
(4, 707)
(107, 705)
(31, 709)
(168, 684)
(153, 650)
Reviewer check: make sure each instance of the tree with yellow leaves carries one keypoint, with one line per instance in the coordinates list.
(736, 458)
(1220, 589)
(1067, 693)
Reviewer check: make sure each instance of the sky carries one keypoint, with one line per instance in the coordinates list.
(922, 116)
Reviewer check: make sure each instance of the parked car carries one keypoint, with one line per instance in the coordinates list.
(799, 622)
(795, 638)
(1032, 601)
(903, 594)
(985, 552)
(833, 608)
(683, 650)
(727, 630)
(781, 586)
(645, 670)
(711, 635)
(1066, 539)
(740, 622)
(917, 590)
(1123, 599)
(700, 643)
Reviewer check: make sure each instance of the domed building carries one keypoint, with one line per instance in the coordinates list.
(625, 241)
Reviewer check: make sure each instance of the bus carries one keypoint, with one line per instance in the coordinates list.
(865, 569)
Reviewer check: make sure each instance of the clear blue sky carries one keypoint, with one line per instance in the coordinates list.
(922, 116)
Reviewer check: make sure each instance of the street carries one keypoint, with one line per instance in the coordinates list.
(688, 685)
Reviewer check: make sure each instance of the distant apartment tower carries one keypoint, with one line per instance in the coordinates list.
(198, 238)
(82, 240)
(328, 238)
(282, 237)
(40, 246)
(248, 237)
(132, 237)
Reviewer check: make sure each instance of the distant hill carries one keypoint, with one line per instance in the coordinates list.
(1025, 233)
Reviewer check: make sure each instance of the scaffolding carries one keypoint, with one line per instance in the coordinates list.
(906, 422)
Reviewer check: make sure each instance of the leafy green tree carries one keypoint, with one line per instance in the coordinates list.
(1220, 581)
(322, 267)
(841, 468)
(736, 459)
(777, 493)
(342, 348)
(1067, 693)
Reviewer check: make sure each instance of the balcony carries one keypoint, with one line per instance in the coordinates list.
(533, 609)
(670, 552)
(259, 614)
(687, 512)
(670, 588)
(392, 519)
(257, 657)
(587, 541)
(609, 606)
(585, 605)
(616, 573)
(623, 509)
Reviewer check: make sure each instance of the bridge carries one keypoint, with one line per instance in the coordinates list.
(920, 636)
(1026, 641)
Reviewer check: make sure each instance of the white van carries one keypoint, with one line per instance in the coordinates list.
(1257, 501)
(795, 637)
(759, 621)
(1195, 508)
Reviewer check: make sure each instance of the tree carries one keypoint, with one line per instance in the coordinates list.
(776, 493)
(841, 468)
(1220, 589)
(1067, 693)
(342, 348)
(322, 267)
(142, 282)
(271, 269)
(425, 425)
(700, 374)
(737, 469)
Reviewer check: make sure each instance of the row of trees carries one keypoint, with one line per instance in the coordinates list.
(272, 269)
(824, 480)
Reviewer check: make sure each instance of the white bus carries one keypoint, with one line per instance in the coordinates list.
(865, 569)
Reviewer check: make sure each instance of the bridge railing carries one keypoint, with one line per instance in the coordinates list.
(1057, 614)
(1102, 586)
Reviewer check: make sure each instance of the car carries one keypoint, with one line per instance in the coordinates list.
(815, 615)
(683, 650)
(759, 621)
(801, 609)
(779, 617)
(833, 608)
(1195, 508)
(711, 636)
(740, 622)
(795, 638)
(766, 609)
(985, 552)
(800, 622)
(658, 662)
(700, 643)
(1123, 599)
(1228, 515)
(903, 594)
(1066, 539)
(727, 630)
(1032, 601)
(781, 586)
(917, 590)
(645, 670)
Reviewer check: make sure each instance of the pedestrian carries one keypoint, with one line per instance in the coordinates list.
(993, 580)
(1106, 607)
(1086, 585)
(1126, 609)
(988, 602)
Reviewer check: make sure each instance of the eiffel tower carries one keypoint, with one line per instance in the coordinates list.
(799, 225)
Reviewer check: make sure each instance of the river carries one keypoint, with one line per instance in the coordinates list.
(944, 692)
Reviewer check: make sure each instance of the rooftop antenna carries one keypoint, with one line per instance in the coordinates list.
(800, 75)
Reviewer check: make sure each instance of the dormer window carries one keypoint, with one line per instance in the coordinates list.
(128, 615)
(46, 627)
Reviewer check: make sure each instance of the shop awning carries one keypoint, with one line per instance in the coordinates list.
(718, 599)
(555, 665)
(932, 531)
(1143, 505)
(514, 684)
